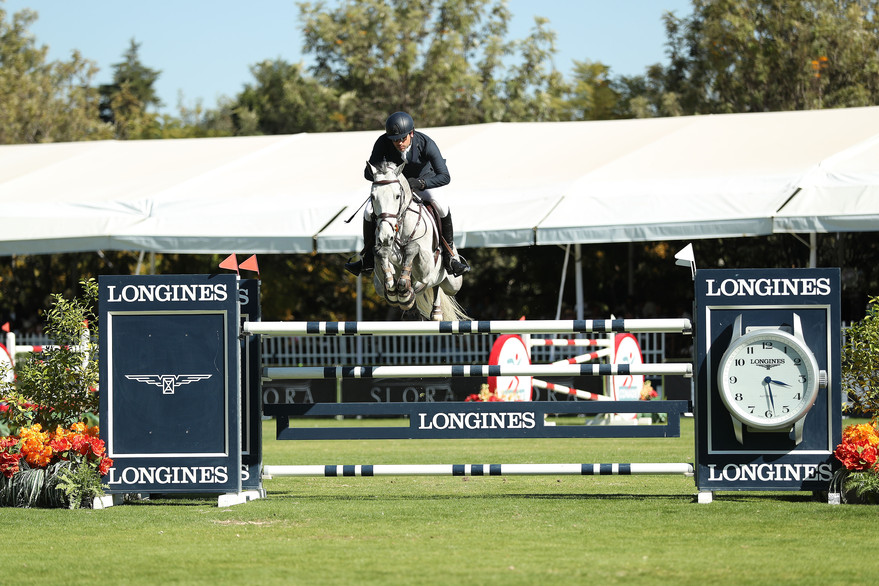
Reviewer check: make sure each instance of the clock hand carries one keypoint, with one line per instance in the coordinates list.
(767, 381)
(777, 382)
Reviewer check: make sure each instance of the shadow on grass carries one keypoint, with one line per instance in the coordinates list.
(442, 497)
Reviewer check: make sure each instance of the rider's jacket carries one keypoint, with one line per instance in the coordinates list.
(423, 160)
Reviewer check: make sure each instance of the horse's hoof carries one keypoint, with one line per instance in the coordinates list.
(436, 315)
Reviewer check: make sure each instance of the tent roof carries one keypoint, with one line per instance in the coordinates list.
(512, 184)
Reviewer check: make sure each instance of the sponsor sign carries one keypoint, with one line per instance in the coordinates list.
(766, 298)
(251, 404)
(170, 403)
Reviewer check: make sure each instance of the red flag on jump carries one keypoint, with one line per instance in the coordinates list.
(231, 263)
(250, 265)
(5, 327)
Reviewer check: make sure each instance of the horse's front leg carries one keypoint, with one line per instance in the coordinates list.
(385, 273)
(405, 294)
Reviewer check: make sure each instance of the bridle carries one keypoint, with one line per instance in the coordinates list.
(397, 217)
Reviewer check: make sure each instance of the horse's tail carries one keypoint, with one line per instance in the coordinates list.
(452, 310)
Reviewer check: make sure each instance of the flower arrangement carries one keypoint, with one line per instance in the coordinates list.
(858, 479)
(50, 452)
(50, 468)
(485, 394)
(648, 392)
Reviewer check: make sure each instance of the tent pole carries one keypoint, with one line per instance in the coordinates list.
(578, 278)
(558, 307)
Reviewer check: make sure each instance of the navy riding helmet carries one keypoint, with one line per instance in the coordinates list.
(398, 125)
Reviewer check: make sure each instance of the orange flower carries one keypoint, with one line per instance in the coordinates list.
(863, 433)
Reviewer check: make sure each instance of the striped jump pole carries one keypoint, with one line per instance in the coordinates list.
(482, 371)
(588, 357)
(562, 389)
(481, 470)
(377, 328)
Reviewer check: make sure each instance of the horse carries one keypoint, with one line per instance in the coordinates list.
(409, 268)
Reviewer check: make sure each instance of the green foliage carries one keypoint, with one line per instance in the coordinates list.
(61, 381)
(44, 101)
(47, 487)
(285, 101)
(125, 103)
(860, 363)
(80, 483)
(773, 55)
(445, 62)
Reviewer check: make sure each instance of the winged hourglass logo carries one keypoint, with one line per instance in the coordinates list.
(168, 382)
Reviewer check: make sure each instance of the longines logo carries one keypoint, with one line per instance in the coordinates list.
(477, 421)
(167, 293)
(768, 287)
(168, 382)
(767, 363)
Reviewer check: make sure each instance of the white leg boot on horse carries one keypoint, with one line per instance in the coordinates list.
(367, 256)
(455, 263)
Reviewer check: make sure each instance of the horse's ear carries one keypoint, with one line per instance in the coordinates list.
(372, 168)
(399, 169)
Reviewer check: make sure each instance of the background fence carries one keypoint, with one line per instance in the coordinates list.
(414, 350)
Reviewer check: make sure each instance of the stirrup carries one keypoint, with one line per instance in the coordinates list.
(458, 266)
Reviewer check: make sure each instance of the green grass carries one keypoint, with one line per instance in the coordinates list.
(444, 530)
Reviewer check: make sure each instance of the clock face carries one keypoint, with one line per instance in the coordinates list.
(768, 379)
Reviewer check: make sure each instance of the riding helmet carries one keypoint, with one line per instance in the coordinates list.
(398, 125)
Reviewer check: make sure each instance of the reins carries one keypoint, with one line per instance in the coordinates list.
(384, 217)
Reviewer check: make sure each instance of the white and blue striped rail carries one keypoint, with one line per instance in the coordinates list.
(480, 469)
(379, 328)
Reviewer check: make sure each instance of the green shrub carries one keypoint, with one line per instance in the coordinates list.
(860, 363)
(58, 386)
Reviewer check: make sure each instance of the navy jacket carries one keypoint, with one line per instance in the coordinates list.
(425, 160)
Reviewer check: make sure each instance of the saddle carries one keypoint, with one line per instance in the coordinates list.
(434, 218)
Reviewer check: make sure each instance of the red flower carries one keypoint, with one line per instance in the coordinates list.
(105, 465)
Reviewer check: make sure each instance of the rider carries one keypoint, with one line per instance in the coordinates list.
(425, 168)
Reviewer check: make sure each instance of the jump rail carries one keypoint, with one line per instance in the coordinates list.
(453, 371)
(501, 419)
(480, 469)
(376, 328)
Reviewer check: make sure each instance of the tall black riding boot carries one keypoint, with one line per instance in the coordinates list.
(367, 255)
(455, 263)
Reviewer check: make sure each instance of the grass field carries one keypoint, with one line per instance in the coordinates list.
(445, 530)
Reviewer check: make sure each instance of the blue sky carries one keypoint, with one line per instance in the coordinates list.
(204, 48)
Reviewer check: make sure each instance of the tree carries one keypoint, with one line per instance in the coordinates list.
(125, 103)
(774, 55)
(284, 101)
(592, 96)
(43, 101)
(445, 62)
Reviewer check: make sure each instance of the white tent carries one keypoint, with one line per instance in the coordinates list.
(512, 184)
